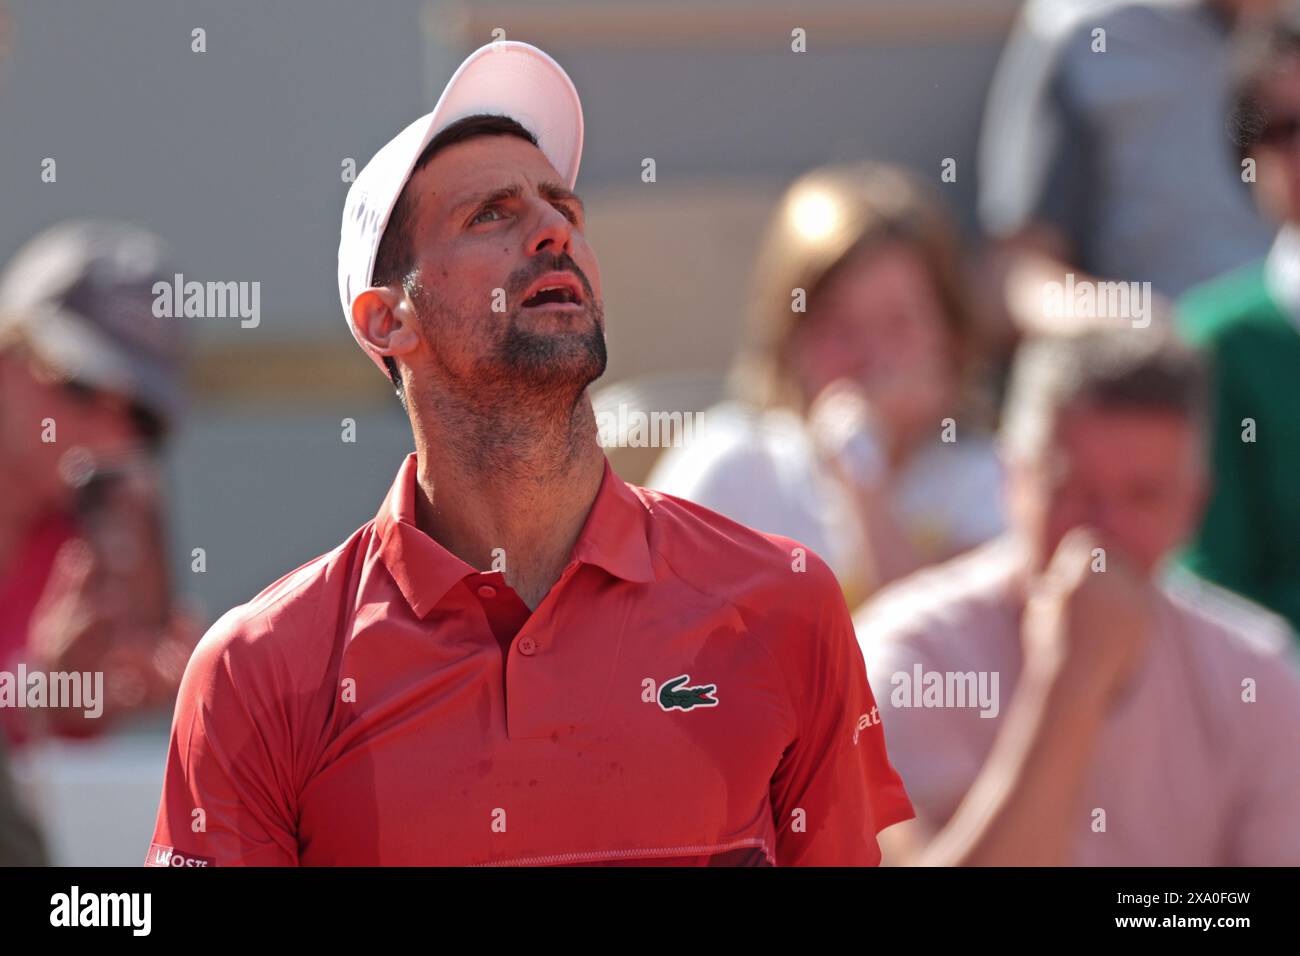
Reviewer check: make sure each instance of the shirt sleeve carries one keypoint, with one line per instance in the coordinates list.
(226, 798)
(834, 789)
(731, 469)
(728, 473)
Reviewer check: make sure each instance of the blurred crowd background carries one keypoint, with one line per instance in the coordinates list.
(837, 272)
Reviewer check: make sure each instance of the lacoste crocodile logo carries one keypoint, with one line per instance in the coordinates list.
(673, 695)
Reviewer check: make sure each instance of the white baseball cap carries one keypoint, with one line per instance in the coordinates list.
(506, 78)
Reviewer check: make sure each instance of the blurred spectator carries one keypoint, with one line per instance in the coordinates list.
(89, 383)
(1249, 324)
(1052, 698)
(1115, 162)
(855, 430)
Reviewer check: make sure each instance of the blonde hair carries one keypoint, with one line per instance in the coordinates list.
(825, 218)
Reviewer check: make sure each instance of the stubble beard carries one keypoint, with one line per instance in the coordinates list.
(530, 388)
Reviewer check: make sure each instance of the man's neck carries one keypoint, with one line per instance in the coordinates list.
(508, 485)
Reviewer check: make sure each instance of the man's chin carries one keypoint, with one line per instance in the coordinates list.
(573, 356)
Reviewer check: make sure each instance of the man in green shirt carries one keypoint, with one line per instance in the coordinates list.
(1248, 322)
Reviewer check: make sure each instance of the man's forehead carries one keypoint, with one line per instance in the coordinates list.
(482, 165)
(1102, 420)
(1085, 435)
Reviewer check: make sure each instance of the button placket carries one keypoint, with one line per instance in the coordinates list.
(530, 708)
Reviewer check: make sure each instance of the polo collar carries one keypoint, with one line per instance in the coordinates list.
(613, 537)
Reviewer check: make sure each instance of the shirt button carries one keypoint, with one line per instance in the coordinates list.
(487, 591)
(527, 646)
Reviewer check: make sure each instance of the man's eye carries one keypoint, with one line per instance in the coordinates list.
(486, 211)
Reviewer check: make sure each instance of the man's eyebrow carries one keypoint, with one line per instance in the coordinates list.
(550, 191)
(484, 198)
(554, 192)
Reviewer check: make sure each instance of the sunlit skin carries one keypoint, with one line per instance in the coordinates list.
(1135, 477)
(497, 400)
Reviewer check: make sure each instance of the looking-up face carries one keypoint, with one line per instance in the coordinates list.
(507, 289)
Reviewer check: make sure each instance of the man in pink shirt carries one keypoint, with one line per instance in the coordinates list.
(1056, 697)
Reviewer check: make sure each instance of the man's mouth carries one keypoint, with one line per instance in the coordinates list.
(554, 289)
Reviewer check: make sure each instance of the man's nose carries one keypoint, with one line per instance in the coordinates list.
(552, 231)
(1104, 516)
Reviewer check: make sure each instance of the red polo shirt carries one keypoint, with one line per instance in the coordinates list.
(690, 691)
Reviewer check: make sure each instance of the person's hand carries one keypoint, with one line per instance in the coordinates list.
(85, 623)
(79, 614)
(1087, 627)
(909, 393)
(865, 424)
(848, 436)
(108, 606)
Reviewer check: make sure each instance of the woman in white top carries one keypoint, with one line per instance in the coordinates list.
(854, 430)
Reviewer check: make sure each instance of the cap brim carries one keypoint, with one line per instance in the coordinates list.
(83, 352)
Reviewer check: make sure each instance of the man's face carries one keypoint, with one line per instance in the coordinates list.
(1133, 475)
(83, 421)
(1278, 151)
(879, 323)
(508, 288)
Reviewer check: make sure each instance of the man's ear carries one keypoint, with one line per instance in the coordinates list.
(384, 319)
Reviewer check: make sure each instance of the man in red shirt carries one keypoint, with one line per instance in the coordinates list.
(90, 387)
(522, 659)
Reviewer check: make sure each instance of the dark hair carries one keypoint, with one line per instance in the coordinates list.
(1256, 53)
(395, 257)
(1111, 369)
